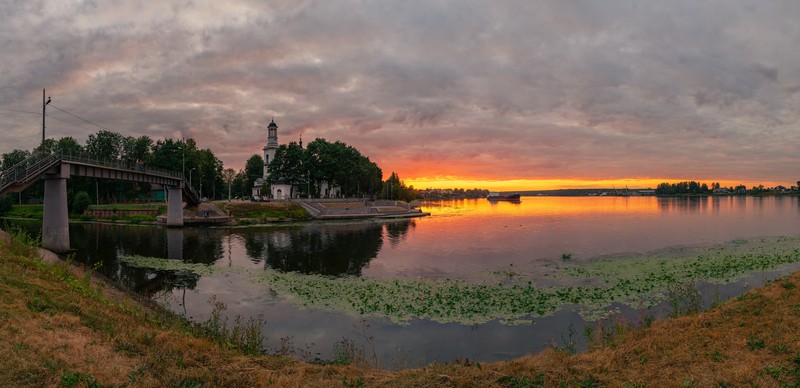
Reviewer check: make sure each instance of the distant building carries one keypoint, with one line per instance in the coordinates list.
(721, 190)
(281, 189)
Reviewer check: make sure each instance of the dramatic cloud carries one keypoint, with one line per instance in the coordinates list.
(500, 90)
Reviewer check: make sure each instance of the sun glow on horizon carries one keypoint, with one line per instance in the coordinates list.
(556, 184)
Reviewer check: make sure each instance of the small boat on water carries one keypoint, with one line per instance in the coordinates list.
(503, 197)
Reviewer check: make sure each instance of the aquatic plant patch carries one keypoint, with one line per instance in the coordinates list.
(169, 265)
(640, 281)
(720, 264)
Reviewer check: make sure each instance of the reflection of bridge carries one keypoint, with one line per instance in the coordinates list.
(55, 169)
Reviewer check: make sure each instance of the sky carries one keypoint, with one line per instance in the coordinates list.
(503, 95)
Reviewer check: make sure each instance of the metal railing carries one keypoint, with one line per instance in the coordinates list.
(37, 163)
(27, 169)
(121, 164)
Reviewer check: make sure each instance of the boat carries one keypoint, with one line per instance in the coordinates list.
(503, 197)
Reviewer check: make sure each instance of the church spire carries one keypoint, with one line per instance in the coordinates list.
(272, 134)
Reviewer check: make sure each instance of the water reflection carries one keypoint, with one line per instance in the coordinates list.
(319, 249)
(325, 249)
(397, 231)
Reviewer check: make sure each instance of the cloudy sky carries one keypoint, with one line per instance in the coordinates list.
(504, 94)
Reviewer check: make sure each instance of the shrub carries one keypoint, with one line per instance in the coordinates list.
(81, 202)
(5, 203)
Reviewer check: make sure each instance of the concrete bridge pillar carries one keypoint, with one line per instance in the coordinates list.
(55, 225)
(174, 207)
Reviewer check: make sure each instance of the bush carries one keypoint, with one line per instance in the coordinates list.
(81, 202)
(5, 203)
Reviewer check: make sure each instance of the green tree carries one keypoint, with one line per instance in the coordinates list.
(68, 146)
(396, 189)
(341, 165)
(229, 175)
(12, 158)
(80, 202)
(138, 149)
(288, 165)
(175, 155)
(6, 201)
(253, 169)
(104, 145)
(370, 177)
(209, 173)
(321, 162)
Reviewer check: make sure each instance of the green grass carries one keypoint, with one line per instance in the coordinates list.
(266, 211)
(131, 206)
(26, 211)
(37, 212)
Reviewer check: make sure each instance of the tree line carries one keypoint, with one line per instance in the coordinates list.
(321, 161)
(457, 193)
(692, 187)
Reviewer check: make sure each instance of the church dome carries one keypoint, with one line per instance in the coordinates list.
(272, 124)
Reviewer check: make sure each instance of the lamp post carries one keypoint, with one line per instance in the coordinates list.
(183, 156)
(44, 106)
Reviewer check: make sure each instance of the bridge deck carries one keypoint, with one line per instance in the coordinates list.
(27, 172)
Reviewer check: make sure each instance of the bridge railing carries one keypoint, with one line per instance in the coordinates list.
(26, 169)
(121, 164)
(35, 164)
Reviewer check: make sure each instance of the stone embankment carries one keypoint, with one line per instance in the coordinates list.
(350, 208)
(205, 213)
(208, 213)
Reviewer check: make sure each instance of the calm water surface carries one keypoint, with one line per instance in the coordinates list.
(462, 239)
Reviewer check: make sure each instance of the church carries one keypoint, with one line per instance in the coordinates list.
(281, 189)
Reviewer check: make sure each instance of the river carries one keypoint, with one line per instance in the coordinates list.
(489, 250)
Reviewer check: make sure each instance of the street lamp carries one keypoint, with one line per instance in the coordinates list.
(44, 105)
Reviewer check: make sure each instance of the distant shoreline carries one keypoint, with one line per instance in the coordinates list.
(610, 193)
(634, 193)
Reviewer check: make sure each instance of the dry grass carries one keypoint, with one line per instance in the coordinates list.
(60, 327)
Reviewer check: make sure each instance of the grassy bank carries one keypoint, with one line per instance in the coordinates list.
(60, 326)
(36, 212)
(245, 213)
(261, 212)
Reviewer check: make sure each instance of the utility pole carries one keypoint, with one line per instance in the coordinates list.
(44, 106)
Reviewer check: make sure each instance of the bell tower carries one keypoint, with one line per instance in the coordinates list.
(271, 147)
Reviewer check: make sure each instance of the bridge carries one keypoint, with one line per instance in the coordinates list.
(56, 168)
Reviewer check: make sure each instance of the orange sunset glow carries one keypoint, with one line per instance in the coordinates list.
(555, 184)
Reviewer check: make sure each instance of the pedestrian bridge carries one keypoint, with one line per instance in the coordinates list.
(56, 168)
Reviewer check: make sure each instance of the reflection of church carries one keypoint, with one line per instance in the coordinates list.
(281, 189)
